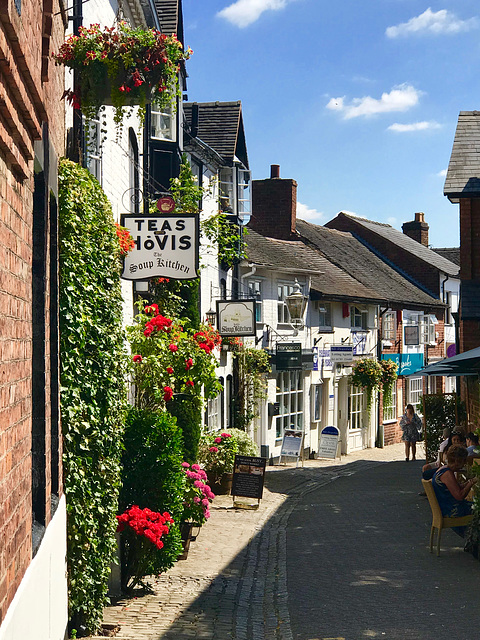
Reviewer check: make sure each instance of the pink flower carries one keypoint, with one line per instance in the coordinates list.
(173, 348)
(195, 467)
(185, 465)
(213, 449)
(198, 484)
(217, 440)
(196, 500)
(226, 435)
(205, 502)
(137, 358)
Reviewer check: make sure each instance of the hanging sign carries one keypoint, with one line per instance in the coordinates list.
(288, 356)
(166, 246)
(248, 477)
(166, 204)
(328, 443)
(236, 317)
(341, 353)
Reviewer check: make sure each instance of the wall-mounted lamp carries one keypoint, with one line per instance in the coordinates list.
(296, 304)
(211, 317)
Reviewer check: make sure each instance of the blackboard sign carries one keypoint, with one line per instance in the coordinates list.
(248, 476)
(288, 356)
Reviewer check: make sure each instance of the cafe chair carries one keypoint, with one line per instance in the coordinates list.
(438, 520)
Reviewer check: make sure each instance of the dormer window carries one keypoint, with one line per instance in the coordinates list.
(234, 191)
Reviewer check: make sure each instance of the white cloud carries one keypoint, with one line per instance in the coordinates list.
(244, 12)
(392, 221)
(432, 22)
(400, 98)
(414, 126)
(442, 173)
(306, 213)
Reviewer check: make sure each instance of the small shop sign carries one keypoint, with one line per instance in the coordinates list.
(408, 363)
(166, 246)
(292, 444)
(329, 438)
(341, 353)
(288, 356)
(236, 317)
(248, 477)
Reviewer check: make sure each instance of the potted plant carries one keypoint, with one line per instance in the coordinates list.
(196, 504)
(121, 66)
(217, 455)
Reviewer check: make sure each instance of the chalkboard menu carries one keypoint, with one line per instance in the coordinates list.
(248, 477)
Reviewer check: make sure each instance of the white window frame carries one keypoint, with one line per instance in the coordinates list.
(214, 413)
(289, 395)
(414, 391)
(324, 310)
(389, 326)
(426, 325)
(163, 115)
(93, 147)
(316, 391)
(255, 291)
(358, 318)
(234, 190)
(283, 289)
(390, 410)
(356, 408)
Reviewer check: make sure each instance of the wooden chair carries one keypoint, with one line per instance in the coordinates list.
(438, 520)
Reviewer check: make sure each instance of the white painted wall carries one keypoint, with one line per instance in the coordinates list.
(39, 609)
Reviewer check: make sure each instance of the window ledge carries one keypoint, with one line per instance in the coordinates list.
(358, 330)
(392, 421)
(325, 330)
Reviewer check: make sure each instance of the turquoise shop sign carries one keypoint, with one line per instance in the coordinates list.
(408, 363)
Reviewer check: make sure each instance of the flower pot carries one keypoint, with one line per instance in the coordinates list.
(222, 485)
(186, 529)
(103, 92)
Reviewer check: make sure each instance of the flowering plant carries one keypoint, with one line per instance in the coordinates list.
(197, 496)
(174, 359)
(367, 373)
(125, 240)
(217, 453)
(389, 377)
(143, 530)
(139, 64)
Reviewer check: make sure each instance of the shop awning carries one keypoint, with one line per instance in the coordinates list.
(463, 364)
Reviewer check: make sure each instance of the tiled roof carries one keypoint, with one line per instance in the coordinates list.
(450, 253)
(328, 279)
(220, 126)
(463, 175)
(170, 17)
(400, 239)
(349, 254)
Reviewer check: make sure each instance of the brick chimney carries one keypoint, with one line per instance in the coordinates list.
(274, 206)
(417, 229)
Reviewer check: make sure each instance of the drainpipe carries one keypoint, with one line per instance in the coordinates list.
(77, 155)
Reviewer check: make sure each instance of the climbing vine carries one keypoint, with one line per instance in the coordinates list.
(93, 392)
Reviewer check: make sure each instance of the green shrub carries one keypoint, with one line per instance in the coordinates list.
(93, 390)
(440, 411)
(189, 418)
(152, 477)
(246, 446)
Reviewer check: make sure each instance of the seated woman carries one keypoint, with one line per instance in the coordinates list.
(450, 494)
(472, 443)
(429, 469)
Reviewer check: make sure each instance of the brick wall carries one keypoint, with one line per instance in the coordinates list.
(274, 207)
(30, 91)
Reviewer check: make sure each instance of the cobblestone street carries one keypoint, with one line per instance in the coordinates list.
(336, 551)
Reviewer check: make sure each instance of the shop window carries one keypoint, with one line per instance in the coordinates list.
(290, 398)
(414, 391)
(390, 407)
(355, 407)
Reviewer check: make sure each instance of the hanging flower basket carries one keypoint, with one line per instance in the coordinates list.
(122, 67)
(389, 377)
(367, 373)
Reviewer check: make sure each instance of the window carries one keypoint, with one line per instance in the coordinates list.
(290, 399)
(358, 318)
(450, 384)
(255, 291)
(226, 190)
(214, 410)
(324, 318)
(283, 290)
(389, 326)
(243, 192)
(234, 191)
(426, 329)
(390, 408)
(317, 402)
(355, 408)
(163, 123)
(414, 391)
(93, 154)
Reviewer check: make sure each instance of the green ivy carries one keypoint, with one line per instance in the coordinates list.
(439, 412)
(93, 392)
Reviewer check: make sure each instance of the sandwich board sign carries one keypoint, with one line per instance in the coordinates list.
(248, 477)
(329, 438)
(292, 445)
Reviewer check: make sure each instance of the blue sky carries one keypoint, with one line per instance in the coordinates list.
(358, 101)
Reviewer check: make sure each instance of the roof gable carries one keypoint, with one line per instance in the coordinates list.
(220, 126)
(463, 174)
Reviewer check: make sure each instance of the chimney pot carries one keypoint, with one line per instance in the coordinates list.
(419, 216)
(274, 171)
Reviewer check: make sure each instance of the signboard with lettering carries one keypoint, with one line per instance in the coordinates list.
(292, 444)
(248, 477)
(341, 353)
(408, 363)
(166, 246)
(288, 356)
(236, 317)
(328, 443)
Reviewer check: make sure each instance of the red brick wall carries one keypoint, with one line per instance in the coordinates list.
(274, 208)
(28, 102)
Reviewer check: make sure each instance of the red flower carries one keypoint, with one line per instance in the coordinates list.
(137, 358)
(213, 449)
(188, 364)
(151, 308)
(190, 383)
(170, 370)
(168, 393)
(173, 348)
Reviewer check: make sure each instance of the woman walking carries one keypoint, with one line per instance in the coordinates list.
(411, 426)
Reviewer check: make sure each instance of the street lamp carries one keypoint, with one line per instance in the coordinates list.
(211, 317)
(296, 304)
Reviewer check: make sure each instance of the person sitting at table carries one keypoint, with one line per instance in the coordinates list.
(429, 469)
(449, 492)
(472, 443)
